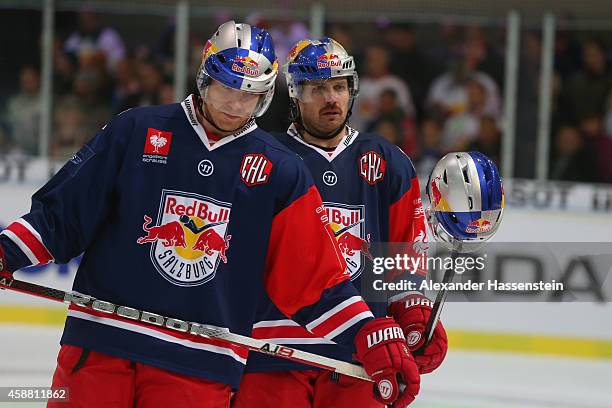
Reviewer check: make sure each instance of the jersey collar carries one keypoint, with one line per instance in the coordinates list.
(345, 142)
(189, 108)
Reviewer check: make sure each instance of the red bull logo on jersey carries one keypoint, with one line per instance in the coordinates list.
(328, 61)
(189, 239)
(372, 167)
(347, 223)
(478, 226)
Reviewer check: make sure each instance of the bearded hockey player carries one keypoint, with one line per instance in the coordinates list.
(371, 194)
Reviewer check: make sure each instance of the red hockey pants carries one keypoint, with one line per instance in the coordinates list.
(303, 389)
(98, 380)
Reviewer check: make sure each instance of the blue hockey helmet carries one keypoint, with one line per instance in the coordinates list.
(242, 57)
(466, 198)
(310, 60)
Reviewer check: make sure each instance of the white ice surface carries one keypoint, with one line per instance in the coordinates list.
(465, 380)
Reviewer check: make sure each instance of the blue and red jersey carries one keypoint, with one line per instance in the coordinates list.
(371, 194)
(176, 225)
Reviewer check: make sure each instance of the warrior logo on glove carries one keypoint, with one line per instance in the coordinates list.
(381, 348)
(412, 313)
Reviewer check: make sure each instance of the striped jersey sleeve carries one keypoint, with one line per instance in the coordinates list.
(305, 274)
(69, 208)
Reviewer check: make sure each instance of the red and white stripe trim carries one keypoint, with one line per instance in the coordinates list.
(335, 321)
(161, 333)
(320, 331)
(276, 323)
(285, 332)
(29, 241)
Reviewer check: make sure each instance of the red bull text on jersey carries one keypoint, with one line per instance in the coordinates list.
(171, 225)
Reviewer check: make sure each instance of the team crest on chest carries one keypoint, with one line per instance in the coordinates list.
(255, 169)
(189, 238)
(348, 224)
(372, 167)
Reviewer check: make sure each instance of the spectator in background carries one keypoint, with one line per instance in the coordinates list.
(429, 153)
(389, 129)
(448, 94)
(79, 115)
(527, 107)
(342, 34)
(572, 161)
(480, 56)
(408, 62)
(69, 130)
(23, 111)
(586, 92)
(488, 139)
(567, 53)
(462, 128)
(93, 38)
(389, 110)
(140, 84)
(166, 93)
(376, 79)
(64, 70)
(599, 145)
(127, 86)
(151, 80)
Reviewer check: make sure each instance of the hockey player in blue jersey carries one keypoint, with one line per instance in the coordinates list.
(189, 210)
(371, 194)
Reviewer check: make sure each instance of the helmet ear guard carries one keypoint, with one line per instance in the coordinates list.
(466, 200)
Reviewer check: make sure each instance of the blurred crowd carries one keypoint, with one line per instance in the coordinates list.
(429, 88)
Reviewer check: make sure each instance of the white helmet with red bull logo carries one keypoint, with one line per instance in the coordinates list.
(466, 198)
(242, 57)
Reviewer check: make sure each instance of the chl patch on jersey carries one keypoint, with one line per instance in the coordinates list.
(255, 169)
(372, 167)
(189, 238)
(347, 223)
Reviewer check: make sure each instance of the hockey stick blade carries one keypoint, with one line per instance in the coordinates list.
(206, 331)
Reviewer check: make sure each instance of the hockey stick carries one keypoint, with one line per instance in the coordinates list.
(203, 330)
(436, 310)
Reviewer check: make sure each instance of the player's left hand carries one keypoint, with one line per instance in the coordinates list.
(412, 314)
(381, 348)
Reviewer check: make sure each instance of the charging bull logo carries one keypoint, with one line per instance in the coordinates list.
(170, 234)
(478, 226)
(189, 240)
(347, 223)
